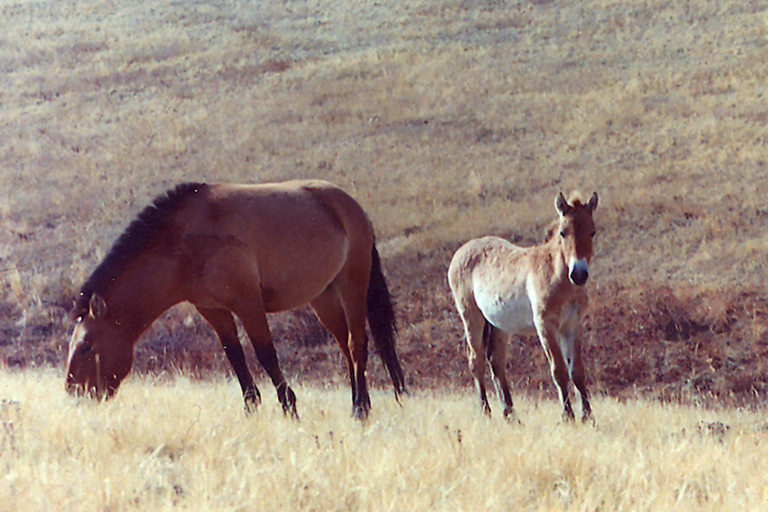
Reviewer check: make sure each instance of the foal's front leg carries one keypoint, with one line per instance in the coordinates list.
(560, 375)
(570, 343)
(578, 376)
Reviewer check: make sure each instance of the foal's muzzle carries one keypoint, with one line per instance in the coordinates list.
(579, 273)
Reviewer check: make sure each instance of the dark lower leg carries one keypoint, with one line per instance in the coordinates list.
(236, 357)
(267, 356)
(580, 382)
(224, 325)
(361, 400)
(484, 405)
(560, 376)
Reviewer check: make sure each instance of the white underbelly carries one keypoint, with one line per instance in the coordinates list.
(508, 310)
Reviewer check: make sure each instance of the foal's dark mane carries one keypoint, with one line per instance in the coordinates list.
(143, 230)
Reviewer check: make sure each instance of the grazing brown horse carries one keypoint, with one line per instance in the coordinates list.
(501, 289)
(243, 250)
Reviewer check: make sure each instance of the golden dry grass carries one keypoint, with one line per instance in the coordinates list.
(183, 445)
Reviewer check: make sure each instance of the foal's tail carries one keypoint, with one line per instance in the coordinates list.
(381, 318)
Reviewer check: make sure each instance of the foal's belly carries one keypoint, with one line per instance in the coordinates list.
(508, 310)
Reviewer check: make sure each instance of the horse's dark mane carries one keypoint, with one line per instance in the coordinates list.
(143, 230)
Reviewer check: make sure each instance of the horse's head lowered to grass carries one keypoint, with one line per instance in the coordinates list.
(100, 352)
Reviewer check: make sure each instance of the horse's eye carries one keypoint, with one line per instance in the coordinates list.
(593, 234)
(85, 349)
(562, 234)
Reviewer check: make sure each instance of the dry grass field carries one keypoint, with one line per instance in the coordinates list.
(446, 119)
(184, 445)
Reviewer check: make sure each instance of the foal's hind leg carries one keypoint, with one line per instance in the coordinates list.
(497, 355)
(475, 327)
(224, 325)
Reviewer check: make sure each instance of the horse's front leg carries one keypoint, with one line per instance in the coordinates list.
(222, 322)
(255, 324)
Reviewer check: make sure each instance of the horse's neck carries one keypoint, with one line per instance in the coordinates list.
(137, 298)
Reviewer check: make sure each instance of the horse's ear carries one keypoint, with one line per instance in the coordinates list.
(561, 205)
(97, 308)
(592, 204)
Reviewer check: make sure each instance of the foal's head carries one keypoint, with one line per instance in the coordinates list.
(576, 230)
(100, 354)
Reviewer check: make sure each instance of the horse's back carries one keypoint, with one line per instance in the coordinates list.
(296, 235)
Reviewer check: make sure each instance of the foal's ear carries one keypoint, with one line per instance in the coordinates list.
(592, 204)
(97, 308)
(561, 205)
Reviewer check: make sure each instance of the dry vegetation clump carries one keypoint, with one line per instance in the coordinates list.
(447, 120)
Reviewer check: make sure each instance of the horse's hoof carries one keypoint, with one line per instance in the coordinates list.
(291, 411)
(511, 417)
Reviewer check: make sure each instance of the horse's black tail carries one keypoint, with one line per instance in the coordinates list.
(381, 318)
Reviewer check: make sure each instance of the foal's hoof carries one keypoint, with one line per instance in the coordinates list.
(588, 419)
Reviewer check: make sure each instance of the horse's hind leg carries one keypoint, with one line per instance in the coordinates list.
(224, 325)
(496, 350)
(331, 314)
(355, 315)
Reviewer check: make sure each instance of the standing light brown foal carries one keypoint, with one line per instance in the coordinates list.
(243, 250)
(501, 289)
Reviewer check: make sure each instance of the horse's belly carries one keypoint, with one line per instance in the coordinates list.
(299, 279)
(510, 312)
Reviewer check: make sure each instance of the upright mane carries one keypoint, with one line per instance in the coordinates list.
(575, 200)
(143, 230)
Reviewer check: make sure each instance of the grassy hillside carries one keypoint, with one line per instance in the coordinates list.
(447, 120)
(182, 445)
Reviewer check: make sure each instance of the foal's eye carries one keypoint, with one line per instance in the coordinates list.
(593, 234)
(562, 234)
